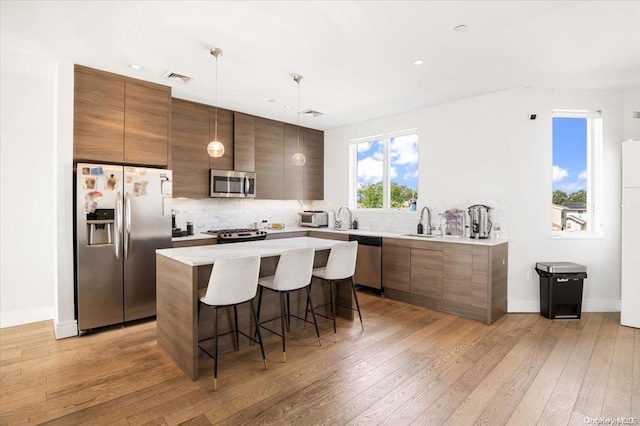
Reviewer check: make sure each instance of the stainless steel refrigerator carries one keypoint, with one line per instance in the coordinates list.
(122, 215)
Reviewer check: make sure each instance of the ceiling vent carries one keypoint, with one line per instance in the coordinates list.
(179, 78)
(312, 113)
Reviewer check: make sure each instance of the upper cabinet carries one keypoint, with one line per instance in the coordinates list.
(192, 128)
(269, 159)
(244, 140)
(293, 175)
(313, 143)
(225, 135)
(119, 119)
(189, 158)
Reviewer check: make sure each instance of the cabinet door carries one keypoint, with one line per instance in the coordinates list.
(146, 125)
(293, 175)
(457, 260)
(396, 267)
(244, 140)
(98, 122)
(314, 166)
(426, 273)
(269, 152)
(225, 135)
(189, 158)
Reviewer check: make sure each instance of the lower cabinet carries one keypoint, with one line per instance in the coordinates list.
(464, 279)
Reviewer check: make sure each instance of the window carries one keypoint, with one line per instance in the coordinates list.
(385, 171)
(577, 159)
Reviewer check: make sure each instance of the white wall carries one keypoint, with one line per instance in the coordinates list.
(487, 148)
(631, 105)
(28, 195)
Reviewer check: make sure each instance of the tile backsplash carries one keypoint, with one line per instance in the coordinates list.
(217, 213)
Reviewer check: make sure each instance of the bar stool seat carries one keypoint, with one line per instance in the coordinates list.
(232, 282)
(341, 266)
(292, 273)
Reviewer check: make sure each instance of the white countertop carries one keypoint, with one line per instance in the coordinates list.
(447, 239)
(205, 255)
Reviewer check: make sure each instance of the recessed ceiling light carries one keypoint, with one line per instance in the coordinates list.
(418, 62)
(460, 28)
(135, 66)
(272, 101)
(287, 107)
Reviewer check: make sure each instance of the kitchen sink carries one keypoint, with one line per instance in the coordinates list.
(421, 235)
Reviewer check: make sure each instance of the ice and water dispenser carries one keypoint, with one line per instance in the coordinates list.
(100, 227)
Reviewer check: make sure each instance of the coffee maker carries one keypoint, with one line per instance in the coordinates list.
(479, 223)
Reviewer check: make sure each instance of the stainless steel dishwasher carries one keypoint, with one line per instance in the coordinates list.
(369, 261)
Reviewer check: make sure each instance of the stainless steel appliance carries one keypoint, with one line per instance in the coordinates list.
(237, 235)
(369, 261)
(119, 224)
(314, 218)
(479, 223)
(232, 184)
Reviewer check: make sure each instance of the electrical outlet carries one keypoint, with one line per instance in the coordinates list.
(529, 274)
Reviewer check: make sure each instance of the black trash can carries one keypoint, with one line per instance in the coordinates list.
(561, 289)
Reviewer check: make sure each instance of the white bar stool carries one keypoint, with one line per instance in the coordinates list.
(292, 273)
(232, 282)
(341, 265)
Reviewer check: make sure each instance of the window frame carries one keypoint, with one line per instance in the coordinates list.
(386, 184)
(594, 181)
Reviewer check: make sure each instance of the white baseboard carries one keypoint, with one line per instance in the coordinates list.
(26, 316)
(588, 305)
(66, 329)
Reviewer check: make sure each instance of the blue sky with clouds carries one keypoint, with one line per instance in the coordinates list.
(403, 161)
(569, 154)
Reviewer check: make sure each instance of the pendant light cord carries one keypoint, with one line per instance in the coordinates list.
(216, 125)
(298, 113)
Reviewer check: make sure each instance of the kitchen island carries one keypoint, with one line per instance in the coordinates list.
(180, 272)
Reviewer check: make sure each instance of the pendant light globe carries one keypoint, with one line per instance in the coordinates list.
(298, 158)
(215, 147)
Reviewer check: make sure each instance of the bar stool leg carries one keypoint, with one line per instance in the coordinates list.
(313, 314)
(283, 321)
(258, 314)
(255, 318)
(235, 320)
(332, 290)
(306, 311)
(355, 296)
(288, 314)
(215, 351)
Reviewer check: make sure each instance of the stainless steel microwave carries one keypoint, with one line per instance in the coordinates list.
(232, 184)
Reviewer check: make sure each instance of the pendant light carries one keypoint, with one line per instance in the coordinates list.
(298, 159)
(215, 147)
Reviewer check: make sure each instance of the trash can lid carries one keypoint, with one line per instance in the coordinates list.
(561, 267)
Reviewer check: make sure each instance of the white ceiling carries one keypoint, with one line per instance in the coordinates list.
(356, 57)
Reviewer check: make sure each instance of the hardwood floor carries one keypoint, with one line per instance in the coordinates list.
(410, 366)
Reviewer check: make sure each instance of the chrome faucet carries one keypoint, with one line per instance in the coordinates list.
(350, 216)
(430, 226)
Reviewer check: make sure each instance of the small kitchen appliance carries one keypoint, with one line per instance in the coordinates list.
(314, 218)
(479, 223)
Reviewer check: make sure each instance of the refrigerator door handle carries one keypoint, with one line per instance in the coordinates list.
(127, 224)
(118, 220)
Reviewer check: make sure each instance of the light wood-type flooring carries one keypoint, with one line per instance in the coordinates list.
(410, 366)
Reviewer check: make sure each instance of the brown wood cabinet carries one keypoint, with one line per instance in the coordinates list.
(464, 279)
(313, 141)
(194, 243)
(269, 159)
(189, 158)
(293, 175)
(192, 128)
(225, 135)
(118, 119)
(244, 141)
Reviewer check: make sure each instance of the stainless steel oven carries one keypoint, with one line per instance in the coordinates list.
(232, 184)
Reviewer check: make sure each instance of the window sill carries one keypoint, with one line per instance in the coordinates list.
(384, 211)
(577, 236)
